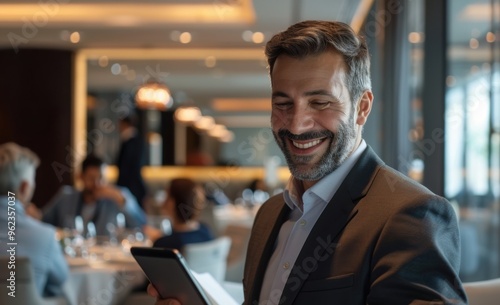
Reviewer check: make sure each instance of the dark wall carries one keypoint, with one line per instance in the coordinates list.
(168, 133)
(35, 111)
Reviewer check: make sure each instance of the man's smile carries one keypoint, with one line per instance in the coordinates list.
(305, 145)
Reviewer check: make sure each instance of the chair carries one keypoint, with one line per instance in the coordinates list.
(240, 235)
(210, 256)
(25, 289)
(483, 292)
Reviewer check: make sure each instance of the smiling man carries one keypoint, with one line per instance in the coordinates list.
(348, 229)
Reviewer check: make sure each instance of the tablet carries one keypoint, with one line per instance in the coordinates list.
(167, 271)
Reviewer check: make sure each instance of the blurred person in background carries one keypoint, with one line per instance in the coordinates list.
(131, 158)
(185, 200)
(35, 240)
(98, 202)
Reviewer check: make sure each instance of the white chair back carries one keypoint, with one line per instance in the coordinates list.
(483, 292)
(240, 235)
(25, 288)
(209, 257)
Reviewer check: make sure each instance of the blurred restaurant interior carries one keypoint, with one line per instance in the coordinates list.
(71, 69)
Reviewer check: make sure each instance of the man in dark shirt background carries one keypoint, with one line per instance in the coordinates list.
(131, 158)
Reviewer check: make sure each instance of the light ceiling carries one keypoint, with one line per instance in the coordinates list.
(217, 70)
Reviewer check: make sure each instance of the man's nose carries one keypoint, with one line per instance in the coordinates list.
(299, 120)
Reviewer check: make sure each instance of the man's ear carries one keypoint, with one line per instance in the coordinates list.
(364, 107)
(24, 189)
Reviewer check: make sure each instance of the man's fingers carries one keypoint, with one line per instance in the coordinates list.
(154, 293)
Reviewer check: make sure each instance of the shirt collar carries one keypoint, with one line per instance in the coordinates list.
(325, 188)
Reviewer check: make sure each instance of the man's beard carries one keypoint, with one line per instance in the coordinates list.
(340, 146)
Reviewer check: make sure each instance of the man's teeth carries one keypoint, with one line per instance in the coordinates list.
(306, 145)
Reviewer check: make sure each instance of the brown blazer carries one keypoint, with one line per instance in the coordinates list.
(383, 239)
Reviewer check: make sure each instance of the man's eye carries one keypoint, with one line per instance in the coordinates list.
(284, 105)
(321, 104)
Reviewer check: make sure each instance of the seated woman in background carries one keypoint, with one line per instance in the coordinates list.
(185, 200)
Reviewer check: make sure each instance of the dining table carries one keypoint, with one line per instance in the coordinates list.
(104, 276)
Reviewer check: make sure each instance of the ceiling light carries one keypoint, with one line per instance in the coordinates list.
(153, 95)
(217, 131)
(74, 37)
(258, 37)
(227, 137)
(204, 123)
(490, 37)
(128, 13)
(103, 61)
(210, 61)
(415, 37)
(187, 114)
(116, 69)
(123, 69)
(185, 37)
(473, 43)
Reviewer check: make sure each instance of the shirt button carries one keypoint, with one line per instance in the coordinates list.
(286, 265)
(302, 222)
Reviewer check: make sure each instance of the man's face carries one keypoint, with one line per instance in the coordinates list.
(312, 117)
(92, 178)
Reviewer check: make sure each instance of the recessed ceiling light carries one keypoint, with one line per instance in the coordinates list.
(185, 37)
(123, 69)
(74, 37)
(415, 37)
(210, 61)
(473, 43)
(247, 36)
(123, 20)
(258, 37)
(103, 61)
(116, 69)
(490, 37)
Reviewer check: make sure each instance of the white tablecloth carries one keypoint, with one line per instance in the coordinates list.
(102, 281)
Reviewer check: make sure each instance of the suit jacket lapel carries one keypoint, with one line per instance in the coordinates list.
(259, 252)
(320, 244)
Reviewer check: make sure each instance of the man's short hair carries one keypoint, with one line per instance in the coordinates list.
(15, 165)
(188, 196)
(315, 37)
(92, 161)
(130, 118)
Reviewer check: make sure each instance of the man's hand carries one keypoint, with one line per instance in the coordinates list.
(110, 192)
(152, 292)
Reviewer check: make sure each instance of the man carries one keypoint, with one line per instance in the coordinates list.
(97, 202)
(33, 239)
(131, 158)
(348, 229)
